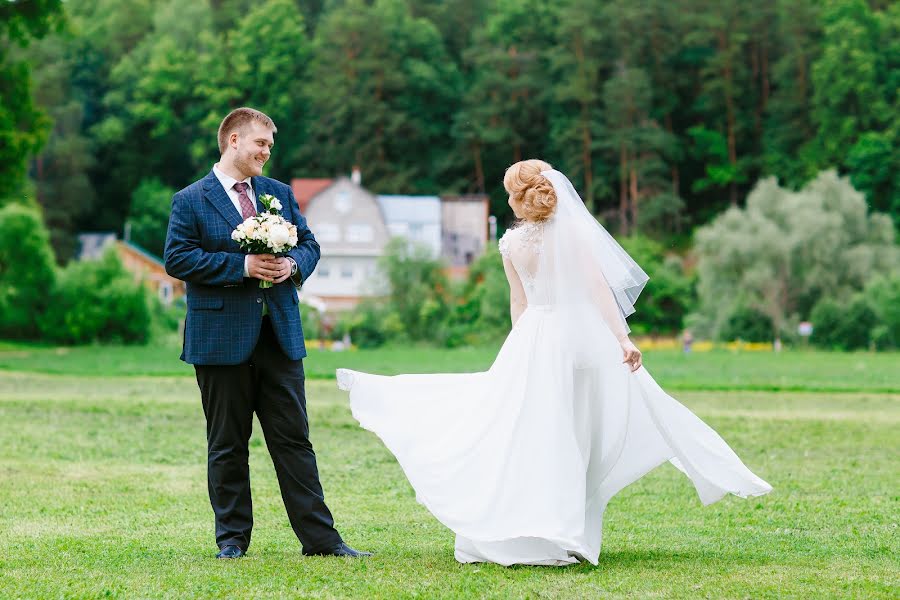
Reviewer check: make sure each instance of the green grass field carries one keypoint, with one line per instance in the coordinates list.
(719, 370)
(102, 464)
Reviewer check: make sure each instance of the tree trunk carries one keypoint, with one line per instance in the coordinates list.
(766, 85)
(633, 186)
(39, 170)
(728, 76)
(586, 161)
(479, 167)
(586, 140)
(675, 174)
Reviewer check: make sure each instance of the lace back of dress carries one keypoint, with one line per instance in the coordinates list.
(525, 248)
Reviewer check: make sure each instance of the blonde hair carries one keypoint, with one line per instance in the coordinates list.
(237, 120)
(530, 190)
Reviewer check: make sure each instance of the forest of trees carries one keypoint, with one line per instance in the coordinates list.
(663, 112)
(747, 154)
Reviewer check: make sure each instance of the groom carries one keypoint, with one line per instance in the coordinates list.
(246, 342)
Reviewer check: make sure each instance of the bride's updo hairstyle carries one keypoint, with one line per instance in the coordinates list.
(532, 192)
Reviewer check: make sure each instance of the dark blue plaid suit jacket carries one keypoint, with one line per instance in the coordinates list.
(224, 313)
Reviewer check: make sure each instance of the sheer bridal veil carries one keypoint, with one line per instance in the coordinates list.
(595, 283)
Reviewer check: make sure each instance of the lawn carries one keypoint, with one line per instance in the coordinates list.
(719, 370)
(104, 494)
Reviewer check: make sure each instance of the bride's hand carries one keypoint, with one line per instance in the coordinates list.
(631, 354)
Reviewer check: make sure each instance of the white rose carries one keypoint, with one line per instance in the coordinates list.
(279, 235)
(276, 204)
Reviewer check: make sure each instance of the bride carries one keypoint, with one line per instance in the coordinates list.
(520, 461)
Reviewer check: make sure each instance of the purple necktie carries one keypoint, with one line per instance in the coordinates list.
(247, 208)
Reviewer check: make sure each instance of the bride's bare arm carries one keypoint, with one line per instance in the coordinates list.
(601, 294)
(609, 310)
(518, 302)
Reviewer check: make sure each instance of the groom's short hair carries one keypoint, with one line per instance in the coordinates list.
(237, 120)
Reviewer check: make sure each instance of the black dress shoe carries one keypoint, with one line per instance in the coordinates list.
(341, 549)
(230, 552)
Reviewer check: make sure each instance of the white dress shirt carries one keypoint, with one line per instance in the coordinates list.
(228, 182)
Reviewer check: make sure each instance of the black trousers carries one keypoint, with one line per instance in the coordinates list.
(272, 385)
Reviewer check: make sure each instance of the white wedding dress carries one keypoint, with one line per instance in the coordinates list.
(520, 461)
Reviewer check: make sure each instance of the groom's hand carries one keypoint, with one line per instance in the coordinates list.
(265, 267)
(284, 269)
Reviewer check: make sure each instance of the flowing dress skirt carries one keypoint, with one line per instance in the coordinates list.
(520, 461)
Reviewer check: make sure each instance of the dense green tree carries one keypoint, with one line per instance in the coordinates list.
(148, 217)
(455, 19)
(27, 271)
(577, 63)
(848, 98)
(23, 126)
(721, 28)
(638, 144)
(159, 105)
(269, 54)
(383, 90)
(874, 161)
(435, 96)
(61, 171)
(787, 250)
(504, 117)
(789, 127)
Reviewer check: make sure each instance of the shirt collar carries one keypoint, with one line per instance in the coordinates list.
(228, 181)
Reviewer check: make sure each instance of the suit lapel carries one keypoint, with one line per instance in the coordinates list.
(258, 183)
(218, 197)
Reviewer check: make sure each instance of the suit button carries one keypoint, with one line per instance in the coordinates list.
(259, 300)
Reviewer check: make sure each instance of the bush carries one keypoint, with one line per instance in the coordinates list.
(149, 215)
(884, 297)
(98, 301)
(371, 324)
(482, 312)
(27, 271)
(748, 325)
(165, 318)
(418, 288)
(663, 304)
(839, 326)
(311, 320)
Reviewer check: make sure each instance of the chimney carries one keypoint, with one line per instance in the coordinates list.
(356, 175)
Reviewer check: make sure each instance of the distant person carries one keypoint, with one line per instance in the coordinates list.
(520, 461)
(687, 341)
(246, 342)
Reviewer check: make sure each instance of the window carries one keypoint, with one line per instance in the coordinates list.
(327, 232)
(165, 292)
(416, 231)
(360, 232)
(323, 270)
(342, 203)
(347, 271)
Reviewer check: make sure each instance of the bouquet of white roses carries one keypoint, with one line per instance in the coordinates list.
(266, 233)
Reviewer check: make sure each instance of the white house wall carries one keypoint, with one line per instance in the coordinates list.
(350, 229)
